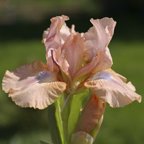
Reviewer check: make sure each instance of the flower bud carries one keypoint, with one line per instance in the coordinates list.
(92, 116)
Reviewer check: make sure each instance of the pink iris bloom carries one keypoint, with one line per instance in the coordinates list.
(74, 60)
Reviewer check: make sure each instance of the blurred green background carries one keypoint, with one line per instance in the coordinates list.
(21, 26)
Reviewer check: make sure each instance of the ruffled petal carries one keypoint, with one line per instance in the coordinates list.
(112, 89)
(32, 86)
(98, 37)
(109, 25)
(55, 39)
(96, 42)
(55, 36)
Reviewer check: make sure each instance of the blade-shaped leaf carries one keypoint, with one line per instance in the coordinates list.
(53, 125)
(59, 120)
(77, 102)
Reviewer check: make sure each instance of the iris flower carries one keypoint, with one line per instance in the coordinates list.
(73, 60)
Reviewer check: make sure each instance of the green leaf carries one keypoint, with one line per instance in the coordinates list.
(78, 100)
(59, 120)
(53, 125)
(65, 115)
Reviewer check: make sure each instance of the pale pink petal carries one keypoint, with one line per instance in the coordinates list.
(109, 25)
(112, 89)
(74, 51)
(124, 79)
(104, 60)
(87, 69)
(55, 36)
(32, 86)
(96, 42)
(60, 59)
(98, 37)
(70, 58)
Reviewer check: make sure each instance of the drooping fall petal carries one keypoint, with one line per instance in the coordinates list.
(32, 85)
(111, 88)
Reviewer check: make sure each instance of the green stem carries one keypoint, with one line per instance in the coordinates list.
(65, 116)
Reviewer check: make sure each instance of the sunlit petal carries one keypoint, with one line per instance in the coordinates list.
(109, 25)
(55, 36)
(104, 60)
(112, 89)
(32, 86)
(98, 37)
(96, 42)
(74, 52)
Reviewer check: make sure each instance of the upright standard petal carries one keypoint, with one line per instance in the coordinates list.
(98, 37)
(32, 85)
(111, 88)
(54, 37)
(73, 51)
(96, 42)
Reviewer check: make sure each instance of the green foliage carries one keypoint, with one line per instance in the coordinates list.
(120, 126)
(77, 102)
(59, 120)
(55, 127)
(42, 142)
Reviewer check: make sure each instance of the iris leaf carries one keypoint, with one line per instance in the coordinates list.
(53, 125)
(77, 102)
(59, 120)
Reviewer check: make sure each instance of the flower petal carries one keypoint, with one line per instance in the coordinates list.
(87, 69)
(112, 89)
(98, 37)
(32, 86)
(73, 50)
(109, 25)
(55, 36)
(104, 60)
(96, 42)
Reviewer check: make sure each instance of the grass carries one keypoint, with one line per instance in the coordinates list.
(120, 126)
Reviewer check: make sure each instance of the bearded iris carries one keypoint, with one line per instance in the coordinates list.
(75, 62)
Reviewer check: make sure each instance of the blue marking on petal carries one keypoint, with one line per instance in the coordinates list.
(43, 75)
(103, 75)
